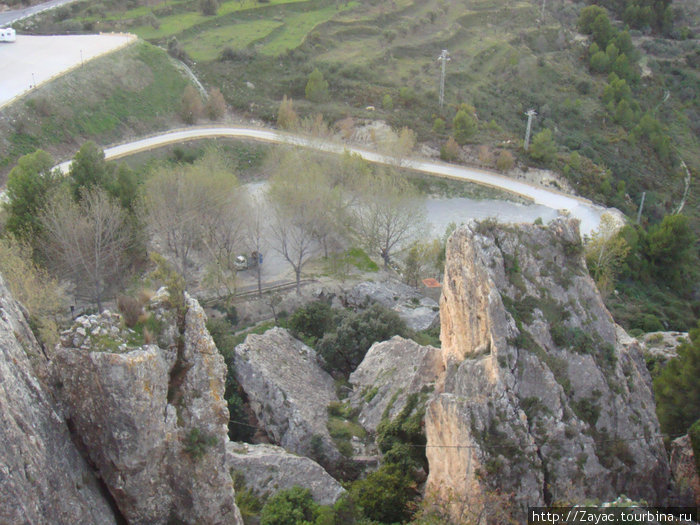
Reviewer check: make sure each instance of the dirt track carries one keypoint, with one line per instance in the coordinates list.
(33, 60)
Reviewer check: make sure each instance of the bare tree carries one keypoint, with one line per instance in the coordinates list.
(255, 232)
(298, 198)
(86, 242)
(193, 210)
(390, 214)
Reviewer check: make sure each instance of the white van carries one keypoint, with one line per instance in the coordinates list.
(7, 34)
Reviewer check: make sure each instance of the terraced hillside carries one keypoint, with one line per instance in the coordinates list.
(507, 57)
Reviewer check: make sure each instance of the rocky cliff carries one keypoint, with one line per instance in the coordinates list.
(544, 398)
(43, 478)
(152, 418)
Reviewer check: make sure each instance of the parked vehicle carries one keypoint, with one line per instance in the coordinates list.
(244, 262)
(7, 34)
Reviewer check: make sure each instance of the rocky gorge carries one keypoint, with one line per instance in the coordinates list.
(535, 396)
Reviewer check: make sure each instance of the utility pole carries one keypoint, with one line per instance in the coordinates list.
(444, 58)
(530, 113)
(641, 207)
(542, 14)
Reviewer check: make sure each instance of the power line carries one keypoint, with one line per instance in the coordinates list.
(496, 446)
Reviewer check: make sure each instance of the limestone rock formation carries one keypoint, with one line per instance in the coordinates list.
(543, 400)
(417, 312)
(685, 471)
(287, 390)
(152, 419)
(389, 373)
(267, 469)
(43, 478)
(660, 347)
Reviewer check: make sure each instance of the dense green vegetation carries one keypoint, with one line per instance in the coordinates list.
(677, 389)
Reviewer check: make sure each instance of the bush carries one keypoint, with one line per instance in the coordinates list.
(384, 495)
(387, 102)
(192, 108)
(344, 349)
(208, 7)
(464, 125)
(312, 320)
(439, 126)
(505, 160)
(543, 147)
(293, 506)
(130, 308)
(216, 105)
(450, 150)
(197, 443)
(316, 87)
(677, 388)
(287, 118)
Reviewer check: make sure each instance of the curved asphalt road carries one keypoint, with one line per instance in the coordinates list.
(583, 209)
(8, 17)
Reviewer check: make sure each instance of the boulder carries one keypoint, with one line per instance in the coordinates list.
(543, 399)
(152, 419)
(288, 391)
(390, 372)
(417, 311)
(43, 477)
(267, 469)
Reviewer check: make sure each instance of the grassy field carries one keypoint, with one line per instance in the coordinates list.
(207, 46)
(133, 91)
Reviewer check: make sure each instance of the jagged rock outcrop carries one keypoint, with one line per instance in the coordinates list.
(390, 372)
(417, 311)
(152, 419)
(660, 347)
(543, 399)
(685, 471)
(288, 391)
(43, 478)
(267, 469)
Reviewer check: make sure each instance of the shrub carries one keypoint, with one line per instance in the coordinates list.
(293, 506)
(312, 320)
(130, 308)
(316, 87)
(344, 349)
(387, 102)
(197, 443)
(450, 150)
(384, 495)
(677, 388)
(191, 109)
(439, 126)
(464, 126)
(505, 160)
(216, 105)
(543, 147)
(208, 7)
(287, 118)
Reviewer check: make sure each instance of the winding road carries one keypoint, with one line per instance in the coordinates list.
(583, 209)
(9, 17)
